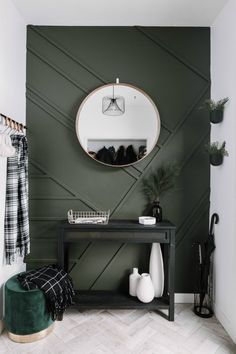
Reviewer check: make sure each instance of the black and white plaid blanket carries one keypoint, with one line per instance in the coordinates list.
(55, 283)
(16, 227)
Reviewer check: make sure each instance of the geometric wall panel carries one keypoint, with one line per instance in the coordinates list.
(64, 64)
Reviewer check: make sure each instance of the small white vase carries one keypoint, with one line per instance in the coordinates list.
(156, 269)
(145, 291)
(133, 282)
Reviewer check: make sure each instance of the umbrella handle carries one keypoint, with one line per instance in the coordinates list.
(214, 220)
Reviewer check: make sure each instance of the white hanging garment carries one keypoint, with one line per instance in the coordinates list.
(11, 149)
(6, 148)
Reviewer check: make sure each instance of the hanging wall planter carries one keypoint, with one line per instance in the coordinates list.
(216, 109)
(216, 159)
(217, 153)
(216, 116)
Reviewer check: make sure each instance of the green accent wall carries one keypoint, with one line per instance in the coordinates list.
(64, 64)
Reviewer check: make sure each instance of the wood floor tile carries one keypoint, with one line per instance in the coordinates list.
(128, 332)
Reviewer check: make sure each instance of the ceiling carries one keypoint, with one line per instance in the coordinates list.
(120, 13)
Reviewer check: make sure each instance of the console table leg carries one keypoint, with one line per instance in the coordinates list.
(172, 276)
(66, 257)
(165, 252)
(60, 249)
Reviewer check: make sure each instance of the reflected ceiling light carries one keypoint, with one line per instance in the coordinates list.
(113, 105)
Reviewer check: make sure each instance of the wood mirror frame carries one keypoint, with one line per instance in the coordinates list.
(138, 126)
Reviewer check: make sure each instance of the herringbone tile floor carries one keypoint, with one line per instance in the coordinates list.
(128, 331)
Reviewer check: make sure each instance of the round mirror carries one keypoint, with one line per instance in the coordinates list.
(118, 124)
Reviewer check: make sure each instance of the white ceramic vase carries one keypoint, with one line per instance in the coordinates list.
(156, 269)
(145, 291)
(133, 282)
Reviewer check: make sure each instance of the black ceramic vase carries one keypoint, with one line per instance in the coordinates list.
(216, 116)
(157, 211)
(216, 159)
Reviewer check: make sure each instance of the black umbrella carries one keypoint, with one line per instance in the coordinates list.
(205, 250)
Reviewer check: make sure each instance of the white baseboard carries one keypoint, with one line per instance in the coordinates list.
(226, 323)
(184, 298)
(1, 326)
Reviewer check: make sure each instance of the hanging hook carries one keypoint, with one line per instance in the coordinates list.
(10, 125)
(214, 220)
(7, 123)
(14, 127)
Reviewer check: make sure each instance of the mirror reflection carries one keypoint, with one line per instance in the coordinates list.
(118, 124)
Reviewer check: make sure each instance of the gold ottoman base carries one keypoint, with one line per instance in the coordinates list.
(28, 338)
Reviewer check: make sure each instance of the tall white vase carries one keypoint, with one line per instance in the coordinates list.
(156, 269)
(145, 291)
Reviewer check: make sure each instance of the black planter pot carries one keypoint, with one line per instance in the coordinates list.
(216, 159)
(216, 116)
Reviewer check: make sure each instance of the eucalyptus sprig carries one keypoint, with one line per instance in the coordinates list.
(211, 105)
(159, 182)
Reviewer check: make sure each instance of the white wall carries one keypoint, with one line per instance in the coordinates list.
(120, 13)
(223, 178)
(12, 103)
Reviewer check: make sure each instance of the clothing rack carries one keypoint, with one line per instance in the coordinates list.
(9, 121)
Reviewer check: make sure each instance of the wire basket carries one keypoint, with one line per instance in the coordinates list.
(88, 217)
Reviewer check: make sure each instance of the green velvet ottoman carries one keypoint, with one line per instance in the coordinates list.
(26, 316)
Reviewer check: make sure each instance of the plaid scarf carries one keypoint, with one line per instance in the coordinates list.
(55, 283)
(16, 210)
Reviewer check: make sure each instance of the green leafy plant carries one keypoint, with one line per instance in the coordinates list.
(159, 182)
(211, 105)
(217, 148)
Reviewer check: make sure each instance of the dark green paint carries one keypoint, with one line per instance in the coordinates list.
(64, 64)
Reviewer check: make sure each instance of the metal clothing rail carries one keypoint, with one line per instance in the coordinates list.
(9, 121)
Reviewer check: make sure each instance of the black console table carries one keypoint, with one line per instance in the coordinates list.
(128, 231)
